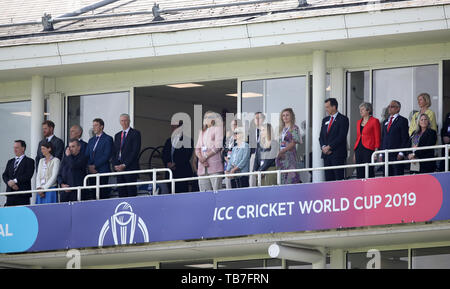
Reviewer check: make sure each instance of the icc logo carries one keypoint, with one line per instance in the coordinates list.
(123, 226)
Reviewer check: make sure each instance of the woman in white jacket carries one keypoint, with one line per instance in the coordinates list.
(47, 174)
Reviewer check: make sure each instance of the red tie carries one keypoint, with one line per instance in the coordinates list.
(329, 124)
(390, 122)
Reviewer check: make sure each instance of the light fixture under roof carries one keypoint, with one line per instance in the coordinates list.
(185, 85)
(246, 94)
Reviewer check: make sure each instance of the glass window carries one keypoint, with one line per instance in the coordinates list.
(405, 84)
(396, 259)
(358, 91)
(431, 258)
(253, 96)
(198, 264)
(108, 106)
(250, 264)
(17, 116)
(271, 96)
(297, 265)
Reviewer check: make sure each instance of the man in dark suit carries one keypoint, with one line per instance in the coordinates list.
(127, 146)
(176, 155)
(75, 132)
(333, 140)
(72, 171)
(48, 127)
(99, 152)
(394, 135)
(17, 175)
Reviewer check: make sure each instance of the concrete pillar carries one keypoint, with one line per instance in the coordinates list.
(338, 86)
(337, 259)
(322, 262)
(318, 110)
(56, 113)
(37, 113)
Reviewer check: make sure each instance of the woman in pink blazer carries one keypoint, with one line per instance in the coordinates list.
(209, 152)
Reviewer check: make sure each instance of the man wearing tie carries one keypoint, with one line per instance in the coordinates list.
(99, 151)
(48, 127)
(17, 175)
(394, 135)
(127, 146)
(333, 140)
(75, 132)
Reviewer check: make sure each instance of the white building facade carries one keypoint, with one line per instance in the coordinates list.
(287, 57)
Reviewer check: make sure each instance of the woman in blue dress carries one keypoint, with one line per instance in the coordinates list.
(47, 174)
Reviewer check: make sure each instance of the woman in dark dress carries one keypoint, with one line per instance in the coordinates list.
(423, 136)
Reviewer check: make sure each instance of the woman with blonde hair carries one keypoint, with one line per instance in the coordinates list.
(424, 102)
(289, 138)
(209, 152)
(265, 155)
(423, 136)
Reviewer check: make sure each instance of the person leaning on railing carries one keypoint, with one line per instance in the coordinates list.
(265, 155)
(424, 135)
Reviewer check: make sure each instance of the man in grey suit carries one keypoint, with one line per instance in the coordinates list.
(48, 127)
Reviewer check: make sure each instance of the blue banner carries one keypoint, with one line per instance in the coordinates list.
(237, 212)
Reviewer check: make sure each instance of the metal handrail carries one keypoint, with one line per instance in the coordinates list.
(153, 171)
(259, 174)
(386, 152)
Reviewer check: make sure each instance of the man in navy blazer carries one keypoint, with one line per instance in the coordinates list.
(75, 132)
(99, 151)
(17, 175)
(333, 140)
(126, 149)
(72, 171)
(394, 135)
(48, 128)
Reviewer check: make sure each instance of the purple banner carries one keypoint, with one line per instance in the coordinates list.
(226, 213)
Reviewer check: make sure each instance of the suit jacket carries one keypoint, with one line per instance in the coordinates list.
(181, 158)
(129, 155)
(73, 170)
(58, 149)
(23, 174)
(83, 146)
(336, 138)
(370, 136)
(102, 155)
(397, 137)
(445, 131)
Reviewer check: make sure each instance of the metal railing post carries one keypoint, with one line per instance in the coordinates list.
(366, 170)
(447, 147)
(259, 179)
(97, 187)
(79, 194)
(154, 183)
(386, 163)
(278, 177)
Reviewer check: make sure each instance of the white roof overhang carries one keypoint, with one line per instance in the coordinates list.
(381, 29)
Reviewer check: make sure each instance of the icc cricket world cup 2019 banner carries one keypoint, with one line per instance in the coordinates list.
(290, 208)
